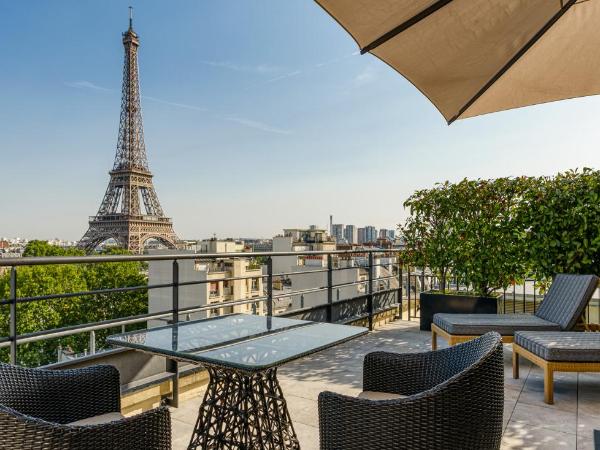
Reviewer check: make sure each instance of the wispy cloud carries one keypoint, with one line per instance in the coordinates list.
(83, 84)
(336, 60)
(284, 76)
(175, 104)
(311, 68)
(248, 123)
(366, 76)
(277, 73)
(261, 69)
(257, 125)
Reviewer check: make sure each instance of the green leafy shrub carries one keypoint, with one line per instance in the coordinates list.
(467, 228)
(560, 224)
(429, 232)
(488, 251)
(491, 233)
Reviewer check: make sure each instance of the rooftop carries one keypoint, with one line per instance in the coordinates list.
(388, 290)
(529, 423)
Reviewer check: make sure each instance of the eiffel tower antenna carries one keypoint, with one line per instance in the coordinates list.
(130, 212)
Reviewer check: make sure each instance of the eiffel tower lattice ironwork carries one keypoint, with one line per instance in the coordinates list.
(130, 212)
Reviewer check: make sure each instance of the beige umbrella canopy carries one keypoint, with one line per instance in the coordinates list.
(472, 57)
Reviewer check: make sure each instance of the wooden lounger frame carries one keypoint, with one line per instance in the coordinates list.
(549, 368)
(457, 338)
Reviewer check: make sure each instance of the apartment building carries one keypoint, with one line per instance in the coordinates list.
(214, 291)
(299, 240)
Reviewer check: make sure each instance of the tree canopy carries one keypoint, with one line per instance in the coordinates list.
(62, 312)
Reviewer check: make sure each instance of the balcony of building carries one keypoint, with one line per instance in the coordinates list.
(383, 296)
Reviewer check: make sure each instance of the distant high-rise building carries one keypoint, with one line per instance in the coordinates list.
(370, 233)
(350, 234)
(337, 232)
(361, 236)
(384, 233)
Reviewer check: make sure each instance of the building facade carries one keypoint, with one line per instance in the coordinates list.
(214, 245)
(350, 234)
(299, 240)
(337, 232)
(385, 233)
(361, 236)
(214, 291)
(370, 233)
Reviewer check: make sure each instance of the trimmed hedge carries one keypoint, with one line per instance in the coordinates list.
(491, 232)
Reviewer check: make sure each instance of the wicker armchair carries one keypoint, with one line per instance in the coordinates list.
(454, 399)
(37, 405)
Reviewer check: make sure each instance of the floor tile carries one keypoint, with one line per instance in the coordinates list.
(528, 422)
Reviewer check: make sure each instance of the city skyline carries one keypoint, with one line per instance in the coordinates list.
(355, 144)
(353, 229)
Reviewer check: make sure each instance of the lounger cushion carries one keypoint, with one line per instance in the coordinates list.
(567, 297)
(561, 346)
(478, 324)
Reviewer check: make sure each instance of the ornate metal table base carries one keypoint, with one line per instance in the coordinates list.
(243, 411)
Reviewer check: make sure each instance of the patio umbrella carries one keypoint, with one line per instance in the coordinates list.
(472, 57)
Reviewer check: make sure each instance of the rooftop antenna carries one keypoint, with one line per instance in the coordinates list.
(130, 17)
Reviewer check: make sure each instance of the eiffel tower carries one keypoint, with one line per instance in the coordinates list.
(130, 212)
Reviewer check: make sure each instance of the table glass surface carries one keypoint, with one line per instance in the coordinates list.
(242, 341)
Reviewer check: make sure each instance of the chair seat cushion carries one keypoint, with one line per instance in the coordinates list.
(504, 324)
(374, 395)
(99, 420)
(567, 346)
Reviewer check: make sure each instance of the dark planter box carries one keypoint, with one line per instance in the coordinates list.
(433, 303)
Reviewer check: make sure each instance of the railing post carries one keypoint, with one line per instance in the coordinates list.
(514, 299)
(400, 299)
(13, 316)
(172, 365)
(329, 288)
(92, 342)
(175, 296)
(408, 293)
(370, 296)
(269, 286)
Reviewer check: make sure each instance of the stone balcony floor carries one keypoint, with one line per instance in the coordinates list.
(529, 423)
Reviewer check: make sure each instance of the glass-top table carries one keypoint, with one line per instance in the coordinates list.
(243, 404)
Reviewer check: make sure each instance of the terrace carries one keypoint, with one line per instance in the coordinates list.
(159, 337)
(385, 299)
(528, 422)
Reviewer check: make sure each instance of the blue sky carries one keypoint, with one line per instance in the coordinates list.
(258, 116)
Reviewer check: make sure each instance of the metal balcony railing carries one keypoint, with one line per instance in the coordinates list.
(381, 293)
